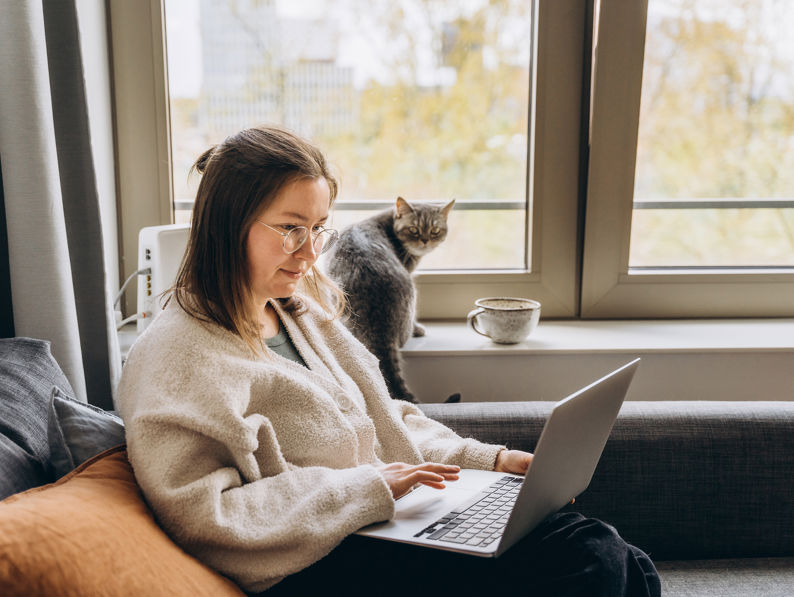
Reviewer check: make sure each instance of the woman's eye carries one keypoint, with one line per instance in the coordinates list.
(288, 227)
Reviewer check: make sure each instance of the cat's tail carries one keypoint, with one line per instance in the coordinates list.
(391, 367)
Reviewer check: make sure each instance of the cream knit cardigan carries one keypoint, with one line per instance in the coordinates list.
(259, 466)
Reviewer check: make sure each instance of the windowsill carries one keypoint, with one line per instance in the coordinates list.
(616, 336)
(739, 359)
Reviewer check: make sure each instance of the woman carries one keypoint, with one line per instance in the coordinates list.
(262, 433)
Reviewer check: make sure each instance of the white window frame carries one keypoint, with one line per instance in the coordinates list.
(145, 186)
(609, 288)
(142, 126)
(553, 181)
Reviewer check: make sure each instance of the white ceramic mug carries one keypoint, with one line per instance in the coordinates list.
(504, 319)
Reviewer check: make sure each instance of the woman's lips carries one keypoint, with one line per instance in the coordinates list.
(296, 275)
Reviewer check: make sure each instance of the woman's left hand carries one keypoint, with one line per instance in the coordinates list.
(513, 461)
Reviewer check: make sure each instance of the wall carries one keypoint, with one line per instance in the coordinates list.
(660, 376)
(681, 360)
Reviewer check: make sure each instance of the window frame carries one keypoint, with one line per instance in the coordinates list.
(609, 288)
(145, 187)
(557, 81)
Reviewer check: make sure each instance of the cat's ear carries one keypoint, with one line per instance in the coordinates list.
(403, 208)
(447, 208)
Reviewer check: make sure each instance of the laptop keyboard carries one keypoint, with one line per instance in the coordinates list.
(481, 522)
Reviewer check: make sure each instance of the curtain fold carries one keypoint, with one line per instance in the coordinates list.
(6, 307)
(56, 261)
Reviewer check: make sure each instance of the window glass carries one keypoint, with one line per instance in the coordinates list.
(714, 182)
(427, 99)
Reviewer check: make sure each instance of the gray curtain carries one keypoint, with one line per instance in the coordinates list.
(6, 308)
(55, 256)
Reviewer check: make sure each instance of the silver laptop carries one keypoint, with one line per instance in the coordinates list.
(484, 512)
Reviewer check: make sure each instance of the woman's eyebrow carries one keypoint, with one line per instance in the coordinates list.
(300, 217)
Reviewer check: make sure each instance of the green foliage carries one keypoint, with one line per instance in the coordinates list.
(716, 121)
(463, 140)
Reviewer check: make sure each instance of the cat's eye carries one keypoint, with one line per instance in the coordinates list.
(435, 230)
(414, 231)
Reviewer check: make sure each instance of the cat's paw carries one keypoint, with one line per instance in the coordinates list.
(419, 330)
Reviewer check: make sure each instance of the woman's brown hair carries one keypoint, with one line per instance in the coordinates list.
(241, 176)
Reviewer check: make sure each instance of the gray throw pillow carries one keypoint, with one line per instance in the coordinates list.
(27, 374)
(79, 431)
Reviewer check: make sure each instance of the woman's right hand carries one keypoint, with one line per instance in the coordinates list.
(401, 477)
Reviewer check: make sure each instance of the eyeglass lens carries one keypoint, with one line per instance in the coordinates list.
(297, 236)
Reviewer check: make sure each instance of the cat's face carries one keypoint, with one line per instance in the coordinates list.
(421, 227)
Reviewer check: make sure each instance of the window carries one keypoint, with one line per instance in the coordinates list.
(689, 209)
(488, 112)
(652, 178)
(718, 194)
(428, 100)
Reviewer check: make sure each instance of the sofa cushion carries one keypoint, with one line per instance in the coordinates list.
(28, 373)
(79, 431)
(91, 533)
(679, 479)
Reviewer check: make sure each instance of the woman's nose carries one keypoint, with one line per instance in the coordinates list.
(307, 251)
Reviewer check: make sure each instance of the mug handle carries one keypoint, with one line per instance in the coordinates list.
(471, 320)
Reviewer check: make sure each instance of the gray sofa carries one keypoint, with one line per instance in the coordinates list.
(706, 488)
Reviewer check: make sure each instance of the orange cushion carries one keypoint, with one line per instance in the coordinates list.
(91, 533)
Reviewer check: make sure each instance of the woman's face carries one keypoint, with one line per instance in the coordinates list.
(272, 272)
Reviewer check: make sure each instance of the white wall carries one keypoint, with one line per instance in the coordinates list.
(731, 376)
(681, 360)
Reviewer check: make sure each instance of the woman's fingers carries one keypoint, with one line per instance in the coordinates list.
(401, 477)
(437, 473)
(428, 478)
(436, 467)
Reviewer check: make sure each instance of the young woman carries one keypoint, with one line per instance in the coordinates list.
(262, 433)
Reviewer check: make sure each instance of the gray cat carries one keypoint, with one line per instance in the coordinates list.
(372, 262)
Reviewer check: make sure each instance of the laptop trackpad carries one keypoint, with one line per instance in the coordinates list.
(424, 505)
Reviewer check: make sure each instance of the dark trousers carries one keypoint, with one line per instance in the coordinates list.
(566, 555)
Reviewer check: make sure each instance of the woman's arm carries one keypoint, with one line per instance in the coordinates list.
(255, 532)
(439, 443)
(234, 468)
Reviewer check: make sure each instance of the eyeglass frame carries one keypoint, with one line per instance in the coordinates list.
(334, 237)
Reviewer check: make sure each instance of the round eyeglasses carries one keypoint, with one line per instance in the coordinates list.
(322, 240)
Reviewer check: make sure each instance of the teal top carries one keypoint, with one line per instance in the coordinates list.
(282, 344)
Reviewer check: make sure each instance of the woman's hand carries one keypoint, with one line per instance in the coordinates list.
(513, 461)
(401, 477)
